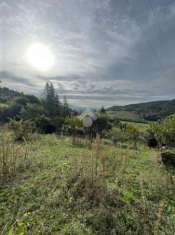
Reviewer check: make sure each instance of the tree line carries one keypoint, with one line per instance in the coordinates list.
(47, 113)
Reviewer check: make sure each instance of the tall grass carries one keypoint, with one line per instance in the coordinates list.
(12, 157)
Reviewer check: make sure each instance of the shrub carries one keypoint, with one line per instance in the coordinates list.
(151, 141)
(133, 134)
(100, 125)
(7, 113)
(75, 228)
(117, 135)
(164, 131)
(102, 221)
(45, 125)
(168, 158)
(22, 129)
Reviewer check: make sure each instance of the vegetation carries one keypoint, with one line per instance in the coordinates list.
(58, 176)
(150, 111)
(22, 130)
(47, 114)
(164, 131)
(72, 189)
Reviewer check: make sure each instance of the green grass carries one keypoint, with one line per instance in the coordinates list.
(126, 115)
(2, 105)
(77, 190)
(142, 127)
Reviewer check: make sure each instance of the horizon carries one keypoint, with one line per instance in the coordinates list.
(96, 52)
(90, 108)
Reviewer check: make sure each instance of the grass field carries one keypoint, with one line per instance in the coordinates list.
(125, 115)
(74, 189)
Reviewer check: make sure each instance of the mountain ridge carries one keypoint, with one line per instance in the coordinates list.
(150, 111)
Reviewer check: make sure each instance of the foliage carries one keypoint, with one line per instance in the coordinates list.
(45, 125)
(66, 110)
(125, 132)
(32, 112)
(12, 157)
(74, 122)
(22, 129)
(117, 135)
(9, 112)
(75, 190)
(133, 134)
(164, 131)
(6, 94)
(47, 114)
(100, 125)
(150, 111)
(168, 158)
(51, 100)
(19, 228)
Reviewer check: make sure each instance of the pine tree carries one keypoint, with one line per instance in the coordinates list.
(102, 110)
(65, 107)
(51, 100)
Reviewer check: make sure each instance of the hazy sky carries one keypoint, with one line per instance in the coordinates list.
(105, 52)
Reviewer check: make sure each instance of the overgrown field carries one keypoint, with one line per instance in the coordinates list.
(60, 188)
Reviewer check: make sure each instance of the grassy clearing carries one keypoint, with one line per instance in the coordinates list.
(125, 115)
(142, 127)
(77, 190)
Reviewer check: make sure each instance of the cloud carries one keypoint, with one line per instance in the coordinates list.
(106, 50)
(6, 76)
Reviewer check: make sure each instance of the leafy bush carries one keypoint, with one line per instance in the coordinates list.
(9, 112)
(100, 125)
(164, 131)
(168, 158)
(45, 125)
(117, 135)
(75, 228)
(151, 140)
(22, 130)
(133, 134)
(124, 133)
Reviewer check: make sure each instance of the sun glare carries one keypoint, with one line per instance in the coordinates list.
(40, 57)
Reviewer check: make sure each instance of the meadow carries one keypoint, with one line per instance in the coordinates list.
(57, 187)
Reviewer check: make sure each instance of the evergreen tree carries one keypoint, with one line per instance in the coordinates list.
(65, 107)
(51, 100)
(102, 110)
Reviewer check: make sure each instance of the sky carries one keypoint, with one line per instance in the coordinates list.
(105, 52)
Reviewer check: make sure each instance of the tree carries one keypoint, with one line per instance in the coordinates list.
(164, 131)
(10, 112)
(66, 111)
(32, 112)
(51, 100)
(101, 124)
(102, 110)
(75, 124)
(133, 134)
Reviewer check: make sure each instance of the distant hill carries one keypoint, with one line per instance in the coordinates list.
(7, 94)
(141, 112)
(16, 105)
(150, 111)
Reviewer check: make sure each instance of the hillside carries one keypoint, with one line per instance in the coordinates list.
(6, 94)
(150, 111)
(60, 188)
(141, 112)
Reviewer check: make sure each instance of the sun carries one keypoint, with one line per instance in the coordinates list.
(40, 57)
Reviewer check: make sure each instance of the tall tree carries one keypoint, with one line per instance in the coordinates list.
(51, 100)
(65, 107)
(102, 110)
